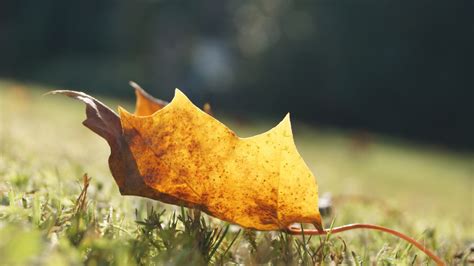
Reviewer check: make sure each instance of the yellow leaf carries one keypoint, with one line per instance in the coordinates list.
(181, 155)
(145, 103)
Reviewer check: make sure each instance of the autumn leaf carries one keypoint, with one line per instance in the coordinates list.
(145, 103)
(178, 154)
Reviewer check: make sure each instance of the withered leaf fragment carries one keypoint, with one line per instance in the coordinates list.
(178, 154)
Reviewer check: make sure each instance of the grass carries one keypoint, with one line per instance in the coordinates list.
(51, 215)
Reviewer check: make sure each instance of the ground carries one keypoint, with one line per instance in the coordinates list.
(421, 190)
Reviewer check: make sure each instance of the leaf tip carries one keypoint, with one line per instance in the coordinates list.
(285, 126)
(134, 85)
(180, 98)
(123, 112)
(178, 93)
(139, 91)
(50, 93)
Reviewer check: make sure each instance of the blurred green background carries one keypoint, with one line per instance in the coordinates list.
(398, 67)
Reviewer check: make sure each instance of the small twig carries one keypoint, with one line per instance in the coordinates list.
(80, 204)
(298, 231)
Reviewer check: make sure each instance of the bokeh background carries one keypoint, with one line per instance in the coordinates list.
(402, 68)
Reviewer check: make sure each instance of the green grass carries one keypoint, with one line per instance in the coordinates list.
(423, 191)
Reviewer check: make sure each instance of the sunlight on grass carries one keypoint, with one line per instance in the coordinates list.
(424, 191)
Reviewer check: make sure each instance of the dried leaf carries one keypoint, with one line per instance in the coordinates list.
(146, 104)
(178, 154)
